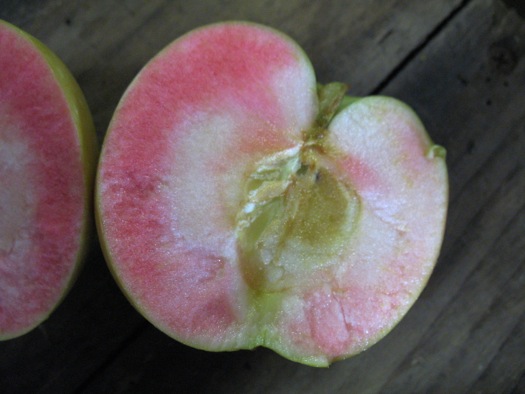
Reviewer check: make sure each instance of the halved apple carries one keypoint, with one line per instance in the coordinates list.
(48, 154)
(240, 204)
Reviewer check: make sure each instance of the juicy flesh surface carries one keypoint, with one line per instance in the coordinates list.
(41, 193)
(190, 130)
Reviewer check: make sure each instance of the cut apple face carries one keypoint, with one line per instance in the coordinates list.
(240, 204)
(48, 154)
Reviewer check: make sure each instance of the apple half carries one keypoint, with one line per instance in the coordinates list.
(48, 155)
(241, 204)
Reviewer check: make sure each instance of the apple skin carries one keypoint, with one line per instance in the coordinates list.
(223, 140)
(48, 163)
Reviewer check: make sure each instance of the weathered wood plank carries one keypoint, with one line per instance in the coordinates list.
(500, 374)
(468, 93)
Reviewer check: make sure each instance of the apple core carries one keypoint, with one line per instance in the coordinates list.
(298, 213)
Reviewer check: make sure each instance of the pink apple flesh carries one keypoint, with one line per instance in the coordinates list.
(238, 209)
(47, 163)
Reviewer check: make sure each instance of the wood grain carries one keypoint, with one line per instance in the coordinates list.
(458, 63)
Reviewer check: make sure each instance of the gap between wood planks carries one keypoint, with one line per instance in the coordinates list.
(415, 52)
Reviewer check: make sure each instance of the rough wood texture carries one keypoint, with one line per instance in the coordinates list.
(458, 63)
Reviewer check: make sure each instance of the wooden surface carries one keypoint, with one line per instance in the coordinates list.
(460, 64)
